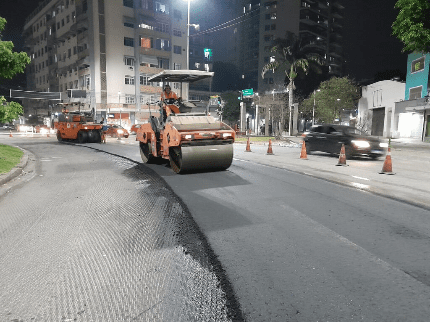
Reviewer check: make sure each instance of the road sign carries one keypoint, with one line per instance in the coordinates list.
(247, 92)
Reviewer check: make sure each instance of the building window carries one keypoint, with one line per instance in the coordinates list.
(266, 27)
(176, 66)
(273, 27)
(145, 42)
(128, 3)
(130, 99)
(128, 42)
(418, 65)
(163, 63)
(268, 37)
(177, 50)
(128, 24)
(129, 80)
(177, 33)
(415, 92)
(271, 16)
(144, 80)
(161, 7)
(129, 61)
(271, 4)
(162, 44)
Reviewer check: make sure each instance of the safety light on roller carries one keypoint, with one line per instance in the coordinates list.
(120, 131)
(226, 135)
(361, 144)
(188, 137)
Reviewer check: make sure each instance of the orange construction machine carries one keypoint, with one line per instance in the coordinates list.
(191, 141)
(77, 126)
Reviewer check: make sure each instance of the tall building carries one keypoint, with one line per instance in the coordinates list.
(99, 54)
(317, 22)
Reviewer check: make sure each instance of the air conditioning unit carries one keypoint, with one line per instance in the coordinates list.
(131, 67)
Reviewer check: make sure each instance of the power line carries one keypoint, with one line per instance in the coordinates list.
(218, 28)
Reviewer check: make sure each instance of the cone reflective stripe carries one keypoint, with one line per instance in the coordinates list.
(342, 157)
(303, 153)
(248, 146)
(387, 168)
(269, 149)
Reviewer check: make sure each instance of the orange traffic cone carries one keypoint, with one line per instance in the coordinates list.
(10, 134)
(303, 154)
(103, 138)
(387, 168)
(269, 149)
(248, 146)
(342, 157)
(47, 135)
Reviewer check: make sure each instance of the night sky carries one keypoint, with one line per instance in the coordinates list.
(369, 46)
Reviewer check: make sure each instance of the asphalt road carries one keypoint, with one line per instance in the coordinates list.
(294, 247)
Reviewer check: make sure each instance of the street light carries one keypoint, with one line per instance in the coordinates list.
(188, 35)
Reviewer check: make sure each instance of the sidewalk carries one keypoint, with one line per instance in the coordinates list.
(410, 161)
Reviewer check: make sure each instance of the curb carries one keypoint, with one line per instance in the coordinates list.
(17, 170)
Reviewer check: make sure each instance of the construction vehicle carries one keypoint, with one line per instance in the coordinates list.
(190, 141)
(77, 126)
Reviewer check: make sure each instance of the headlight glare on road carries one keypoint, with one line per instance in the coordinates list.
(383, 145)
(360, 143)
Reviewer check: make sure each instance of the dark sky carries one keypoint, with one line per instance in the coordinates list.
(369, 46)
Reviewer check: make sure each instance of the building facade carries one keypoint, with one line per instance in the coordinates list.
(377, 113)
(317, 22)
(414, 110)
(107, 50)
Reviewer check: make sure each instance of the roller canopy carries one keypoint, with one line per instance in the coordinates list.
(188, 76)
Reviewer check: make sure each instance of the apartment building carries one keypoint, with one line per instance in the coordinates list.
(317, 22)
(99, 54)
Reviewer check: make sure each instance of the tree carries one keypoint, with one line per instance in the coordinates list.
(412, 25)
(11, 63)
(9, 111)
(296, 59)
(334, 95)
(231, 109)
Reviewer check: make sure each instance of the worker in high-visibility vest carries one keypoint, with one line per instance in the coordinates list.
(167, 95)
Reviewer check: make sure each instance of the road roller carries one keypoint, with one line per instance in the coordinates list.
(190, 141)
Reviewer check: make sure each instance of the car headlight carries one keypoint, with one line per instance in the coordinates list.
(361, 144)
(383, 145)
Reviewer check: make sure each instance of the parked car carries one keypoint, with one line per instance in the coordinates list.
(134, 128)
(115, 130)
(330, 137)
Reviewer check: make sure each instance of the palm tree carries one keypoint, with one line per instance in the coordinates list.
(296, 59)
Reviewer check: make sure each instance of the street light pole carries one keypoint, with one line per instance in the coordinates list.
(188, 36)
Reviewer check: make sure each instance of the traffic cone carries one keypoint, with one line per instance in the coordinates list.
(269, 149)
(303, 154)
(248, 146)
(342, 157)
(47, 135)
(103, 138)
(10, 134)
(387, 168)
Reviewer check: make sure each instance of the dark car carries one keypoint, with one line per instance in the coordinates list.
(330, 137)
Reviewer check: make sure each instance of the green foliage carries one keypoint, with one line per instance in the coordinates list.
(333, 96)
(9, 157)
(412, 25)
(231, 110)
(11, 62)
(9, 111)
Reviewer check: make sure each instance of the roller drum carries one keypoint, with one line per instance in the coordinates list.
(202, 157)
